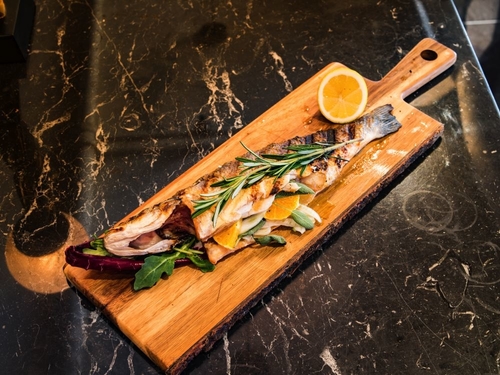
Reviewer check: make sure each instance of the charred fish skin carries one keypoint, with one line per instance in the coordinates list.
(131, 237)
(323, 172)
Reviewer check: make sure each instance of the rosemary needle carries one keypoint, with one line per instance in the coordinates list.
(261, 166)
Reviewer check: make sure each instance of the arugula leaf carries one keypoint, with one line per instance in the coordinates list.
(270, 240)
(302, 219)
(154, 267)
(203, 264)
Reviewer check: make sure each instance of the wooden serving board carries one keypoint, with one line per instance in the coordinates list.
(187, 312)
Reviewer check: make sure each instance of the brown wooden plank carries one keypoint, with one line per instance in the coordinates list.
(174, 320)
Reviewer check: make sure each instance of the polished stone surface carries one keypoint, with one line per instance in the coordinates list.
(482, 22)
(119, 98)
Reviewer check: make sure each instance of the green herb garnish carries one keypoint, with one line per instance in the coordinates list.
(265, 165)
(251, 231)
(156, 265)
(302, 219)
(303, 190)
(97, 248)
(270, 240)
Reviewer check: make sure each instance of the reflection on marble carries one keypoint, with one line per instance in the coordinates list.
(37, 265)
(117, 99)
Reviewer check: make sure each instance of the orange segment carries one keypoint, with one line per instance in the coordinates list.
(342, 95)
(229, 236)
(282, 207)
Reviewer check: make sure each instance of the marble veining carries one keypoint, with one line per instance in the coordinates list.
(117, 99)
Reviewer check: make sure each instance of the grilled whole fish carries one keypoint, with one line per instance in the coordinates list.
(157, 229)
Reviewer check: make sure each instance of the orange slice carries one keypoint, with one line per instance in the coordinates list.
(342, 95)
(282, 207)
(229, 236)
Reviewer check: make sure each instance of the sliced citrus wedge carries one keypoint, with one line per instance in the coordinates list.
(342, 95)
(229, 236)
(282, 207)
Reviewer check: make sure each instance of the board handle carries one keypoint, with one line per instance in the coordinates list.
(423, 63)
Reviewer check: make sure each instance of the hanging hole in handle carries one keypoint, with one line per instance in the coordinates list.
(429, 55)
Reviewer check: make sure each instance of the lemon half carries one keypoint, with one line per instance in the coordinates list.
(342, 95)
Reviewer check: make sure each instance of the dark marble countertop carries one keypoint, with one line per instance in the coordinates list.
(118, 98)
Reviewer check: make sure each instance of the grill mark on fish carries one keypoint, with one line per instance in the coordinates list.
(351, 131)
(309, 139)
(339, 162)
(318, 175)
(330, 136)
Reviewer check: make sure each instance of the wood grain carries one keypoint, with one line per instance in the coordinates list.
(177, 318)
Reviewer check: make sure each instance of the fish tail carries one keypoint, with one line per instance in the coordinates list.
(384, 121)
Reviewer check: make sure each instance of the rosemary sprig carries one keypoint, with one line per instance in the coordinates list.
(265, 165)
